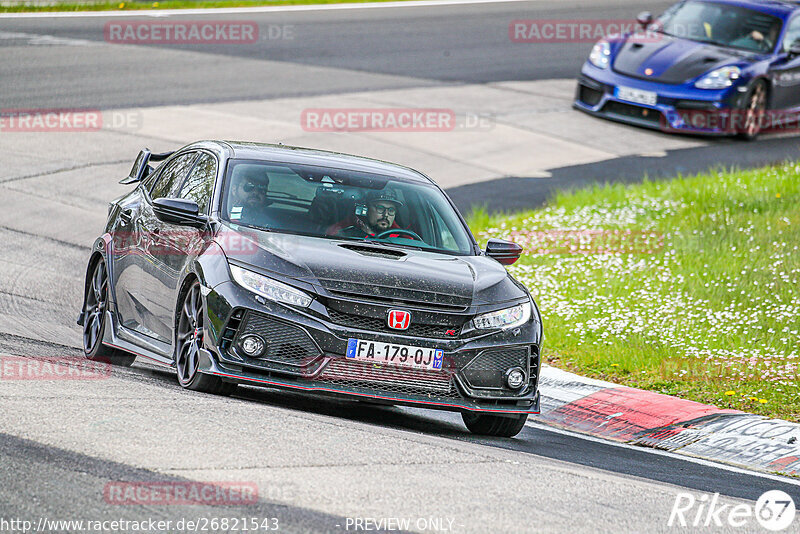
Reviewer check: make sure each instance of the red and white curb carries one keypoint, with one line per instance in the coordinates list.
(648, 419)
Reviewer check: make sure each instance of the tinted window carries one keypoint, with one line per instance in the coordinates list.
(171, 178)
(200, 183)
(342, 204)
(150, 179)
(723, 24)
(792, 34)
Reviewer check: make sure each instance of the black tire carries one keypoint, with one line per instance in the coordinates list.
(94, 320)
(494, 425)
(755, 105)
(189, 340)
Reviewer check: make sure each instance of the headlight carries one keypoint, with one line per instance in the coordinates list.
(269, 288)
(508, 318)
(719, 79)
(600, 56)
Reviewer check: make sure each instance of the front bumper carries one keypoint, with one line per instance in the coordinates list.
(678, 109)
(307, 353)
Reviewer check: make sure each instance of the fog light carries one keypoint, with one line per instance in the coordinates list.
(515, 378)
(252, 345)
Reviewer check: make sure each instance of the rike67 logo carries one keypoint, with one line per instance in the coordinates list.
(774, 511)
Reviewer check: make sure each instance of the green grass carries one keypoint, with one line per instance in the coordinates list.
(700, 299)
(164, 4)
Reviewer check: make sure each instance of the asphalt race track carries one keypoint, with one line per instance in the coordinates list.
(319, 464)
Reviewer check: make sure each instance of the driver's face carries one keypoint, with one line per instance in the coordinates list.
(381, 214)
(250, 193)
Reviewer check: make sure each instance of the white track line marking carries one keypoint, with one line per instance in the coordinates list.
(701, 461)
(246, 10)
(46, 40)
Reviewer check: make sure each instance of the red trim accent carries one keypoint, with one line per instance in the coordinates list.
(317, 388)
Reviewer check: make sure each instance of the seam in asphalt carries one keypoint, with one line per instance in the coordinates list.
(64, 169)
(73, 246)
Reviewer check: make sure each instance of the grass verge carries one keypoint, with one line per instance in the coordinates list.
(165, 4)
(688, 287)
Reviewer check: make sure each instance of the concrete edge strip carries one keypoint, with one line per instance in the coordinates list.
(644, 418)
(246, 10)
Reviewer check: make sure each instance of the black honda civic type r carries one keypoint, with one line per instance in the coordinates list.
(244, 263)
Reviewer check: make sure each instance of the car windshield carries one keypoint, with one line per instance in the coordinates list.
(342, 204)
(722, 24)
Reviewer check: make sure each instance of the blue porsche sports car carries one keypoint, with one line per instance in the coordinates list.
(724, 67)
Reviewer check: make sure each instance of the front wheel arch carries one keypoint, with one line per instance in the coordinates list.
(199, 381)
(746, 133)
(93, 259)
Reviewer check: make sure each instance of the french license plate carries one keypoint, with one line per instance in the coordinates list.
(391, 354)
(637, 96)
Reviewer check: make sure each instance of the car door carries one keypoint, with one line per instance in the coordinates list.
(786, 70)
(125, 269)
(179, 244)
(159, 253)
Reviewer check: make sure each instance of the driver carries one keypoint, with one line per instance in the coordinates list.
(382, 209)
(755, 40)
(248, 198)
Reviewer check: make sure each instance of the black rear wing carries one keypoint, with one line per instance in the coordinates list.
(141, 168)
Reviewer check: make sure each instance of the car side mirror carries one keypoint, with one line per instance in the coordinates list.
(645, 19)
(794, 50)
(503, 251)
(179, 211)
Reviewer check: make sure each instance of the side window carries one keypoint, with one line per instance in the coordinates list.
(200, 183)
(172, 176)
(792, 34)
(446, 239)
(150, 179)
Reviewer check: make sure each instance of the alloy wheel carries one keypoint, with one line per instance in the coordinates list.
(95, 308)
(190, 336)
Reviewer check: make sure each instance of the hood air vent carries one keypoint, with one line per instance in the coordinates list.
(377, 252)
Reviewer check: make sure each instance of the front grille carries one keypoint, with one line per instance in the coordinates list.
(695, 105)
(374, 324)
(488, 369)
(635, 112)
(286, 344)
(390, 379)
(589, 96)
(392, 296)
